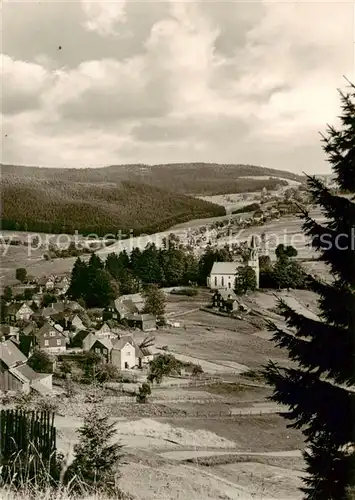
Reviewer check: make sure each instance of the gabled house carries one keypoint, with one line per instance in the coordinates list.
(119, 309)
(60, 307)
(19, 312)
(49, 338)
(16, 375)
(69, 320)
(123, 354)
(225, 300)
(46, 283)
(103, 347)
(145, 322)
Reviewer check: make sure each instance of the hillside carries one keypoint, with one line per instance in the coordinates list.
(183, 178)
(58, 206)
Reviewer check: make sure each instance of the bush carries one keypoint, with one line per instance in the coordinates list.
(41, 362)
(107, 372)
(190, 292)
(144, 391)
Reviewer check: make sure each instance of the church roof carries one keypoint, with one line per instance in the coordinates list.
(229, 268)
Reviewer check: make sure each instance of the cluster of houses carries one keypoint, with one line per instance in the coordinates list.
(64, 327)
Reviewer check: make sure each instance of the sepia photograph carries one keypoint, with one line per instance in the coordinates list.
(177, 250)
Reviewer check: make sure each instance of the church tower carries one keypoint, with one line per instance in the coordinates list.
(253, 261)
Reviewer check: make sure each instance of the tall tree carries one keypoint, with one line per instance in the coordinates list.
(320, 389)
(245, 280)
(79, 277)
(95, 262)
(154, 301)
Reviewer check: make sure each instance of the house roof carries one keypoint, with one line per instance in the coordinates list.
(134, 297)
(121, 342)
(89, 340)
(141, 317)
(60, 307)
(46, 328)
(104, 341)
(227, 294)
(10, 354)
(15, 307)
(25, 372)
(125, 306)
(224, 268)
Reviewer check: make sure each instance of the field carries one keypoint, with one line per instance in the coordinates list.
(214, 436)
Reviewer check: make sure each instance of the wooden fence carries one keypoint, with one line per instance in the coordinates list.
(27, 442)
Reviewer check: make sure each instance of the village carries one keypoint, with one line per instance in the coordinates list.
(195, 357)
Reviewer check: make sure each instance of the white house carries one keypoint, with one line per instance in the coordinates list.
(123, 353)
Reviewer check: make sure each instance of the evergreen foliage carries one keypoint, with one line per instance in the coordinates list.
(95, 466)
(320, 388)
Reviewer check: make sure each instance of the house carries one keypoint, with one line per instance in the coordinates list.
(46, 283)
(106, 332)
(69, 320)
(123, 354)
(103, 347)
(16, 375)
(145, 322)
(122, 307)
(225, 300)
(60, 307)
(49, 338)
(223, 275)
(9, 332)
(84, 340)
(19, 312)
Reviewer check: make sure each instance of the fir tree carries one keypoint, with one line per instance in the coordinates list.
(96, 457)
(79, 279)
(320, 389)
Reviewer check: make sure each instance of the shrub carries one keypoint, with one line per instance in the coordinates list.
(190, 292)
(144, 391)
(41, 362)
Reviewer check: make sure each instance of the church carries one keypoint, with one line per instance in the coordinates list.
(222, 275)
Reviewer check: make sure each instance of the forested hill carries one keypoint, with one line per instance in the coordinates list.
(182, 178)
(58, 206)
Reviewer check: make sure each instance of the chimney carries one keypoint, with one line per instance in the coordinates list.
(52, 305)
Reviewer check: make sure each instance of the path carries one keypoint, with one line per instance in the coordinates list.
(187, 455)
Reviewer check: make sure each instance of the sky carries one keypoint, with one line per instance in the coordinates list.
(97, 83)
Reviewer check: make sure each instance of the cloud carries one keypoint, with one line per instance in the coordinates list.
(21, 85)
(153, 82)
(104, 16)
